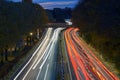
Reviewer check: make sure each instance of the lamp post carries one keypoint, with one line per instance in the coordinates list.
(31, 34)
(38, 31)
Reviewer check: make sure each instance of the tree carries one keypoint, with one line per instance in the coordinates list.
(17, 20)
(98, 21)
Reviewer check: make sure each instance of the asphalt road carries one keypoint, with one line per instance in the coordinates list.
(42, 64)
(82, 62)
(85, 64)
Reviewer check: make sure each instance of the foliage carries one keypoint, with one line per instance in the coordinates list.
(58, 14)
(18, 19)
(99, 23)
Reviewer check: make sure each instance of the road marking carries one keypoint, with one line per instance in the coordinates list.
(46, 72)
(45, 52)
(51, 49)
(34, 63)
(67, 59)
(29, 60)
(47, 49)
(45, 59)
(32, 66)
(29, 69)
(49, 30)
(31, 57)
(38, 74)
(48, 52)
(47, 38)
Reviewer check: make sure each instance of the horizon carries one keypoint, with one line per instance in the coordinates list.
(51, 4)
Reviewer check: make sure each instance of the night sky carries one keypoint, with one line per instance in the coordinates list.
(49, 4)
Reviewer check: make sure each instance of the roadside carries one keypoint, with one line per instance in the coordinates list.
(22, 60)
(109, 65)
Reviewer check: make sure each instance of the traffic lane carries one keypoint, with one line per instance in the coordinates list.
(49, 74)
(68, 64)
(72, 59)
(98, 73)
(103, 72)
(74, 50)
(69, 36)
(82, 62)
(108, 77)
(41, 61)
(84, 59)
(21, 74)
(30, 73)
(48, 51)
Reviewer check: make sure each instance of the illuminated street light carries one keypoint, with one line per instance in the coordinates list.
(31, 34)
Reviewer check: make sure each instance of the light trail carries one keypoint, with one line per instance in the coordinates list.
(85, 64)
(40, 65)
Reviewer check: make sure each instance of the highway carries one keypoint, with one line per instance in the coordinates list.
(42, 64)
(84, 63)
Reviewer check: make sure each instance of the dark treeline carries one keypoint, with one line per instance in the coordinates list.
(17, 20)
(99, 23)
(58, 14)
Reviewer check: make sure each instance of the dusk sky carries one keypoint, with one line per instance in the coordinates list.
(49, 4)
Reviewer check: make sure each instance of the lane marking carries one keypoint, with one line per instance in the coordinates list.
(45, 52)
(48, 31)
(42, 49)
(51, 49)
(40, 52)
(32, 65)
(64, 42)
(33, 55)
(28, 61)
(48, 52)
(29, 70)
(38, 74)
(46, 72)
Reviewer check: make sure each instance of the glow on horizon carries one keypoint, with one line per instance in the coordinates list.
(61, 4)
(50, 4)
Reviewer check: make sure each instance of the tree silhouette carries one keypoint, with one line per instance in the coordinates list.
(98, 21)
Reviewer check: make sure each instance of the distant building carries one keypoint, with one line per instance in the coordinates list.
(29, 1)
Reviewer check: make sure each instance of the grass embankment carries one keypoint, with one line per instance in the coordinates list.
(110, 66)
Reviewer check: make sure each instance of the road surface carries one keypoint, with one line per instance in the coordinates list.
(81, 62)
(85, 65)
(42, 64)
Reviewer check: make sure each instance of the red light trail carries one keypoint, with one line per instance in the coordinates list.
(85, 64)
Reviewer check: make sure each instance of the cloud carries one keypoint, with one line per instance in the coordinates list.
(50, 4)
(60, 4)
(53, 0)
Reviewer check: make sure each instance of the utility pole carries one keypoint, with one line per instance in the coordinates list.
(38, 33)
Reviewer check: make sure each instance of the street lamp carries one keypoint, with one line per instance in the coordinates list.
(31, 34)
